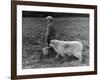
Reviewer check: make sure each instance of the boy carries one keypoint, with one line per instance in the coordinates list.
(50, 30)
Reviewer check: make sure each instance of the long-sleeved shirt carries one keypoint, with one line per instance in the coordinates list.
(50, 32)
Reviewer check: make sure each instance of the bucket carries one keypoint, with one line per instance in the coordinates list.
(45, 50)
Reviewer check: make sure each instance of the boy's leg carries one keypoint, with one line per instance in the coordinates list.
(48, 46)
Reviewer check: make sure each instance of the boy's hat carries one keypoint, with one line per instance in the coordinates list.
(49, 18)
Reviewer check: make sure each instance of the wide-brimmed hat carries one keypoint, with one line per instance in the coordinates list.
(49, 18)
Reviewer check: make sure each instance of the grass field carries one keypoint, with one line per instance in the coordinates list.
(68, 29)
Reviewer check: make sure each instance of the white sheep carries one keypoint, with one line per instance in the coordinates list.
(70, 48)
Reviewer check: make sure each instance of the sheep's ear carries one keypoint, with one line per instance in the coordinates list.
(52, 41)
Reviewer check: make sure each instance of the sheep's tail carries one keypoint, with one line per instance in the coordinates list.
(81, 45)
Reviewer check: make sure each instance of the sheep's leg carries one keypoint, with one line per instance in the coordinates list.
(80, 59)
(64, 57)
(57, 55)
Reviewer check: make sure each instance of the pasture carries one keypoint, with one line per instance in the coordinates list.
(67, 28)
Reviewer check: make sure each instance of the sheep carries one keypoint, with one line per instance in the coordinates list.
(70, 48)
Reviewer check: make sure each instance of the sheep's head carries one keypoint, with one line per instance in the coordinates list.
(54, 43)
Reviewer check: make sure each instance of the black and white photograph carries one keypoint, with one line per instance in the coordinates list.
(51, 39)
